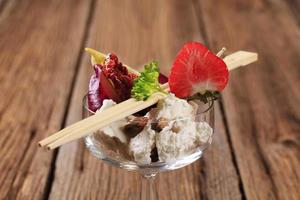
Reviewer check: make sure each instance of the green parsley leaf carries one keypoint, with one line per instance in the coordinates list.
(147, 83)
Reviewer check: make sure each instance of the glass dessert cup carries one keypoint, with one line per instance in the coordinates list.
(205, 113)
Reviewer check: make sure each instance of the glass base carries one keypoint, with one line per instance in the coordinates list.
(148, 190)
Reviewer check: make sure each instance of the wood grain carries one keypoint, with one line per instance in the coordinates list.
(139, 34)
(261, 102)
(44, 75)
(39, 46)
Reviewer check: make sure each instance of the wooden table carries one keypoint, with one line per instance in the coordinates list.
(44, 74)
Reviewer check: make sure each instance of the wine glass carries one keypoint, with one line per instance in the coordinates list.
(100, 146)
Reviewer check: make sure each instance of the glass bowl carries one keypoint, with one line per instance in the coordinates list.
(205, 113)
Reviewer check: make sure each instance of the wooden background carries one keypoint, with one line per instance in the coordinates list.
(44, 74)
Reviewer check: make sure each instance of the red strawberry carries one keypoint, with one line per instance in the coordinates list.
(196, 69)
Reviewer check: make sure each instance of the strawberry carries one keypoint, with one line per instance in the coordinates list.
(197, 70)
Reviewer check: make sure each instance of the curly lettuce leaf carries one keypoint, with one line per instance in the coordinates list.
(147, 83)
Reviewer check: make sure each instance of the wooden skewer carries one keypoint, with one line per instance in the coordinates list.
(239, 59)
(68, 129)
(113, 111)
(221, 52)
(126, 108)
(101, 121)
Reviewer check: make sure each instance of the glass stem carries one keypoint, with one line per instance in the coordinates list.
(148, 187)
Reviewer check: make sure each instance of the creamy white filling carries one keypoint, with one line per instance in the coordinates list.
(142, 144)
(175, 145)
(115, 128)
(182, 136)
(172, 107)
(204, 132)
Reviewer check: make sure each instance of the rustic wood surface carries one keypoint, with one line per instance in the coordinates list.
(44, 74)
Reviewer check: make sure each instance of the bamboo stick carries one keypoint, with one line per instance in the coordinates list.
(239, 59)
(68, 129)
(221, 52)
(101, 120)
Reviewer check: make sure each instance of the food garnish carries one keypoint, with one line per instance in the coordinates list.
(115, 82)
(197, 70)
(95, 96)
(147, 83)
(96, 56)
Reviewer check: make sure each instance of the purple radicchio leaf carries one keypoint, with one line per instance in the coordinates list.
(95, 96)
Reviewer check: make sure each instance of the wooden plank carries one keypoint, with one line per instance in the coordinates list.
(294, 7)
(262, 101)
(39, 46)
(139, 34)
(219, 176)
